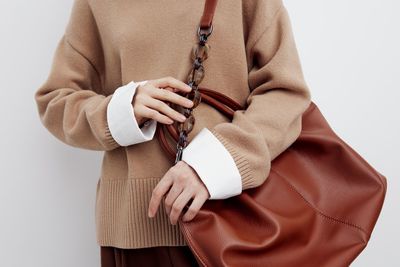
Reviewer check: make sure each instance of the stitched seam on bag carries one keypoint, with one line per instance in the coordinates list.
(190, 240)
(320, 212)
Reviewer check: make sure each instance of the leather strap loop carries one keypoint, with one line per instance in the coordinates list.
(208, 14)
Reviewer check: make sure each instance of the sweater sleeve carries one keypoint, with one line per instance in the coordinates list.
(71, 102)
(268, 125)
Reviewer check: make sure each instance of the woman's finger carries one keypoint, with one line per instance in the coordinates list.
(158, 192)
(161, 106)
(171, 89)
(171, 82)
(179, 204)
(195, 206)
(166, 95)
(153, 114)
(172, 194)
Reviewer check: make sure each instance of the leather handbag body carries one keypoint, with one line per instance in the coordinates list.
(317, 207)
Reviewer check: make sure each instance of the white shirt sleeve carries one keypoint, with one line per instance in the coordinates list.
(214, 165)
(121, 118)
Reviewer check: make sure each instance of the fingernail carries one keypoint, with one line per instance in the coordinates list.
(182, 118)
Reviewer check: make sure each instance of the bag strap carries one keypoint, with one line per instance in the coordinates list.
(221, 102)
(208, 14)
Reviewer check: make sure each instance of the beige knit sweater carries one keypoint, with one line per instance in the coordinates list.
(107, 44)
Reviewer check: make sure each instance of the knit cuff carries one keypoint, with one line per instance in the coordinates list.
(248, 179)
(109, 139)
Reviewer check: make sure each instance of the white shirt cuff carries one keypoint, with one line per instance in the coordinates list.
(214, 165)
(121, 118)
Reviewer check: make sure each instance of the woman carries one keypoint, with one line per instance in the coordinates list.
(113, 72)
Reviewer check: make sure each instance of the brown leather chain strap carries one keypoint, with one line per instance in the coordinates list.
(200, 53)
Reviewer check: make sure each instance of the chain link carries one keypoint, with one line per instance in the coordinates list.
(199, 55)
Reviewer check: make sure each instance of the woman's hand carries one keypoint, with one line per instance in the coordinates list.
(181, 183)
(149, 100)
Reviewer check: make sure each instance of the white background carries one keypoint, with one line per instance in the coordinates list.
(350, 56)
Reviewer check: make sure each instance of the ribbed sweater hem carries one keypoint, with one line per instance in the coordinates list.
(122, 220)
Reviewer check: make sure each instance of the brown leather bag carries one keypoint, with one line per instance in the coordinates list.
(317, 207)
